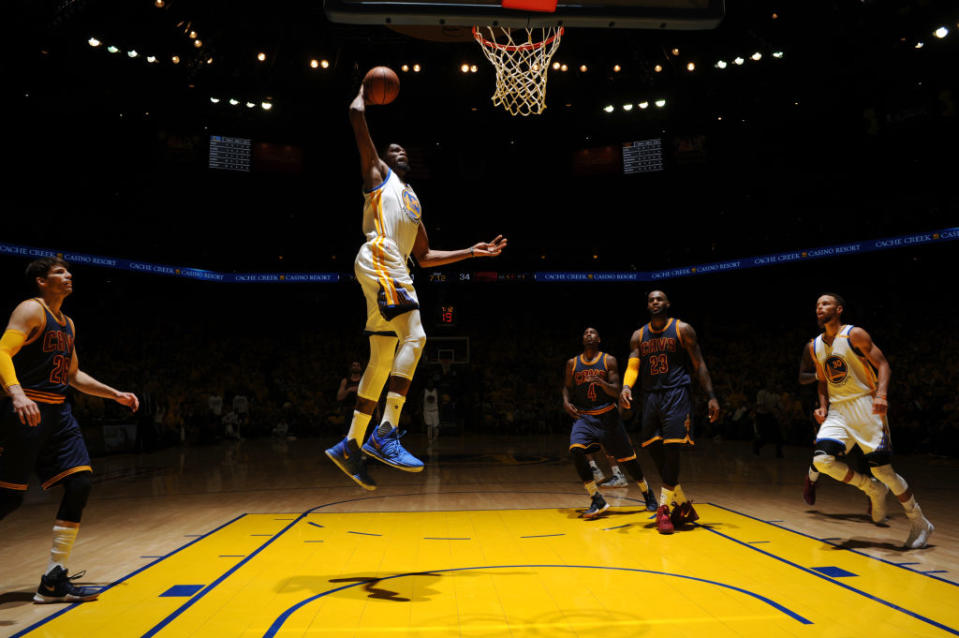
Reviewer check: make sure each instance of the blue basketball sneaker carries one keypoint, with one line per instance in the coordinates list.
(346, 454)
(389, 450)
(56, 587)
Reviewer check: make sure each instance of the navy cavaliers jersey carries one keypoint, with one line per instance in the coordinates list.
(588, 396)
(664, 364)
(43, 363)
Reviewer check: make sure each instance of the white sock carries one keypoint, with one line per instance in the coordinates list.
(616, 471)
(391, 414)
(813, 475)
(358, 426)
(665, 497)
(593, 466)
(63, 539)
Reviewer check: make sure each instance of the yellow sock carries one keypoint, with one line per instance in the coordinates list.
(643, 486)
(590, 488)
(678, 495)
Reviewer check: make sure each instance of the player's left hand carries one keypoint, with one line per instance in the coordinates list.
(128, 399)
(880, 405)
(490, 249)
(713, 410)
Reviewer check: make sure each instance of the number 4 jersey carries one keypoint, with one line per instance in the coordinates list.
(43, 363)
(664, 364)
(588, 396)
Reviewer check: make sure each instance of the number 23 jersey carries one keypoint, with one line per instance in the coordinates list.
(664, 364)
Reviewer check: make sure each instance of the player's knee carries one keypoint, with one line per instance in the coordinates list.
(886, 475)
(76, 491)
(9, 501)
(823, 461)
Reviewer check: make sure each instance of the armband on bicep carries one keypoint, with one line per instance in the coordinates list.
(10, 344)
(632, 372)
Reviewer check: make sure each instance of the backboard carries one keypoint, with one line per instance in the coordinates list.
(626, 14)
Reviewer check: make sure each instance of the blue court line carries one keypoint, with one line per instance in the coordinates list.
(542, 535)
(364, 533)
(263, 534)
(206, 590)
(282, 618)
(311, 523)
(773, 521)
(836, 582)
(854, 551)
(935, 571)
(445, 538)
(284, 519)
(606, 529)
(127, 577)
(756, 542)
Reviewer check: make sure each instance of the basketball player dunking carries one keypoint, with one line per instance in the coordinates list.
(854, 378)
(590, 389)
(663, 351)
(394, 230)
(37, 429)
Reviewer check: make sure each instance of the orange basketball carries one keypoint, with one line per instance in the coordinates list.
(381, 85)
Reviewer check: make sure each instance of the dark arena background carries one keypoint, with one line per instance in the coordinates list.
(209, 203)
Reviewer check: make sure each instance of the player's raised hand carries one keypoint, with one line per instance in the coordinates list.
(128, 399)
(490, 249)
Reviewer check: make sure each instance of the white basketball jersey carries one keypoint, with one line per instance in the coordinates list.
(391, 211)
(848, 373)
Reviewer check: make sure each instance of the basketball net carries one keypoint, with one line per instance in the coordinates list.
(521, 65)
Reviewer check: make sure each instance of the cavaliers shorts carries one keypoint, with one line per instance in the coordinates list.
(606, 430)
(666, 416)
(53, 449)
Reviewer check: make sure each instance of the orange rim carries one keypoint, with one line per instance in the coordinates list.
(516, 47)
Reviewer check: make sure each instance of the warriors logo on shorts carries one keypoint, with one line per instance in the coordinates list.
(836, 370)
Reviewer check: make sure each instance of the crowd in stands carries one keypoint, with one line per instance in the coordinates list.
(200, 383)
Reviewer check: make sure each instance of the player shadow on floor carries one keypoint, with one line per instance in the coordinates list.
(370, 586)
(866, 543)
(578, 513)
(848, 517)
(11, 599)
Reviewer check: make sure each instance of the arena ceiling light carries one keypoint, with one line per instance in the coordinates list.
(266, 106)
(627, 107)
(261, 56)
(721, 64)
(151, 59)
(250, 105)
(234, 101)
(778, 55)
(757, 56)
(690, 66)
(93, 42)
(941, 32)
(660, 103)
(609, 108)
(215, 100)
(314, 63)
(919, 45)
(644, 105)
(738, 61)
(326, 64)
(113, 49)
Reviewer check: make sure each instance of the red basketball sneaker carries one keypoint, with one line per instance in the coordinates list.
(663, 524)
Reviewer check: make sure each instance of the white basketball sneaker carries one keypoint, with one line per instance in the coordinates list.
(919, 533)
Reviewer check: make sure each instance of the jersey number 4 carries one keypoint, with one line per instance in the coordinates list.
(658, 364)
(591, 392)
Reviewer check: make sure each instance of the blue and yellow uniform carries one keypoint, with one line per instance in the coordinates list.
(599, 424)
(54, 448)
(665, 378)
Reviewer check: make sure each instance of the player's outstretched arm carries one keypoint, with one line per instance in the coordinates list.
(691, 342)
(427, 257)
(632, 371)
(26, 318)
(88, 385)
(567, 384)
(864, 343)
(373, 169)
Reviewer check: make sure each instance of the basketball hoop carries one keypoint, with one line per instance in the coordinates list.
(520, 64)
